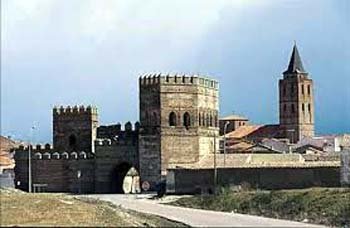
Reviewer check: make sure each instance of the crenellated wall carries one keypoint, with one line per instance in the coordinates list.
(179, 118)
(57, 170)
(74, 128)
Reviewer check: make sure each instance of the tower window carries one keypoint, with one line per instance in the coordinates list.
(293, 108)
(309, 107)
(284, 91)
(303, 107)
(216, 121)
(284, 107)
(72, 141)
(210, 120)
(172, 119)
(187, 120)
(308, 90)
(207, 120)
(292, 89)
(199, 119)
(302, 89)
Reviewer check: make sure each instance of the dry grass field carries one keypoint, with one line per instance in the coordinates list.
(24, 209)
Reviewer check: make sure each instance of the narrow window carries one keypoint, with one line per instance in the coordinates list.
(207, 120)
(292, 89)
(203, 119)
(72, 141)
(302, 89)
(309, 107)
(284, 91)
(199, 119)
(210, 120)
(187, 120)
(308, 90)
(303, 107)
(183, 79)
(216, 120)
(293, 108)
(172, 119)
(284, 107)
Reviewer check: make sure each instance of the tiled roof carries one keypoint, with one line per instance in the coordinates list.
(256, 131)
(261, 161)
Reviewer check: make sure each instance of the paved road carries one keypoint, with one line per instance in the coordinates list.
(195, 217)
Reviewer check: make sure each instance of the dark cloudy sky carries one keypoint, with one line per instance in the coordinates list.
(93, 51)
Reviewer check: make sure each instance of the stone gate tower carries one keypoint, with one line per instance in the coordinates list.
(74, 128)
(296, 100)
(179, 118)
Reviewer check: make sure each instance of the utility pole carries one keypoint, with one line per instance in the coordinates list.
(30, 160)
(215, 168)
(225, 129)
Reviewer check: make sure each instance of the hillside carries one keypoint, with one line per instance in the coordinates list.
(327, 206)
(33, 210)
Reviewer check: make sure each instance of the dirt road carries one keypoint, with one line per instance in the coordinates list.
(194, 217)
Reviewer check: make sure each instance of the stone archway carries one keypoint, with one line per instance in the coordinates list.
(124, 179)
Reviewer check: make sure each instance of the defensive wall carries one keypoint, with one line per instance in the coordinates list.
(258, 171)
(179, 118)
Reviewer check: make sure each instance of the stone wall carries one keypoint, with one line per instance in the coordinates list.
(179, 116)
(74, 128)
(113, 160)
(202, 180)
(57, 171)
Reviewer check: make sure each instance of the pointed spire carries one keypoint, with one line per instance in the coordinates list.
(295, 64)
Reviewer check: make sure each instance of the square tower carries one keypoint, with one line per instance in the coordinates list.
(296, 101)
(74, 129)
(179, 122)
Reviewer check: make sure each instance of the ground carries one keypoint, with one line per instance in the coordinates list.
(25, 209)
(192, 217)
(327, 206)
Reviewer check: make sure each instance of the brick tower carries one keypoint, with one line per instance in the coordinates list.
(179, 118)
(74, 128)
(296, 100)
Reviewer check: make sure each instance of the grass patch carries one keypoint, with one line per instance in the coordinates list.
(316, 205)
(24, 209)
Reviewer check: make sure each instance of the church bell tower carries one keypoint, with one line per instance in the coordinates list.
(296, 100)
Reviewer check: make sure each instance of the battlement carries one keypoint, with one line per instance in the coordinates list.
(46, 153)
(115, 142)
(181, 79)
(76, 110)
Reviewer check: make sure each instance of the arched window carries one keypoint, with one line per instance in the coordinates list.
(207, 120)
(56, 155)
(187, 120)
(172, 119)
(308, 90)
(72, 141)
(210, 120)
(203, 119)
(216, 121)
(65, 155)
(199, 119)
